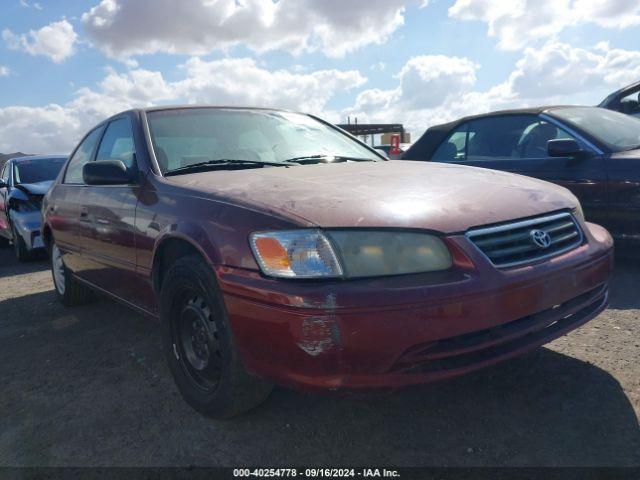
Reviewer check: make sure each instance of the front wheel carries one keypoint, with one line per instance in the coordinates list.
(199, 346)
(68, 290)
(23, 254)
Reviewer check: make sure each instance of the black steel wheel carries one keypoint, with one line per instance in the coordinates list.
(196, 338)
(199, 345)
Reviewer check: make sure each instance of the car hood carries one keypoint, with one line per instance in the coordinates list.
(39, 188)
(399, 194)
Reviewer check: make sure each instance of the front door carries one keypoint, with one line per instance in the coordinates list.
(107, 217)
(63, 207)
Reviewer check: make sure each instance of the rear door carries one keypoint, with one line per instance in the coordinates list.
(518, 144)
(107, 217)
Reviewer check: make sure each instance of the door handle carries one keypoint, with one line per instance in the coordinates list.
(84, 213)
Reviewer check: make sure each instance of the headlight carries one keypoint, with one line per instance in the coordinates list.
(361, 253)
(295, 254)
(376, 253)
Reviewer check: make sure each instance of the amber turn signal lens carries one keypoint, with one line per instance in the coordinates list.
(273, 254)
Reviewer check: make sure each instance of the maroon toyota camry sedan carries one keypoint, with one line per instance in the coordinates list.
(276, 248)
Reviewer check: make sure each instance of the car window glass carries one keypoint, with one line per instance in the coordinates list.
(183, 137)
(453, 148)
(35, 171)
(534, 139)
(5, 173)
(630, 104)
(117, 142)
(81, 156)
(510, 137)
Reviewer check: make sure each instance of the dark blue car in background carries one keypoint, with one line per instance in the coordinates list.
(23, 183)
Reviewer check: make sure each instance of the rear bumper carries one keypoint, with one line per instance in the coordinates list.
(387, 333)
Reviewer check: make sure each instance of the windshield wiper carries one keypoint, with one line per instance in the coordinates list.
(220, 161)
(328, 158)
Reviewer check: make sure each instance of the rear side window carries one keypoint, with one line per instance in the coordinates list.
(454, 148)
(117, 142)
(82, 156)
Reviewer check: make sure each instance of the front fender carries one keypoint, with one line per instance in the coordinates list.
(192, 233)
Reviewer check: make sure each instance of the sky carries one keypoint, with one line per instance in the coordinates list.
(65, 65)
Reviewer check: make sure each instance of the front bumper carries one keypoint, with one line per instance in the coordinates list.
(385, 333)
(28, 227)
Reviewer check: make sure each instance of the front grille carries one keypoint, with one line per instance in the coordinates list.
(514, 244)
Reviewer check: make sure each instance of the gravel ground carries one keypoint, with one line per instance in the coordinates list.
(87, 386)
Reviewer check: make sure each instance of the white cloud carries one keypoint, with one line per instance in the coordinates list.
(26, 4)
(123, 28)
(558, 72)
(518, 23)
(4, 71)
(56, 41)
(437, 89)
(242, 81)
(424, 83)
(56, 128)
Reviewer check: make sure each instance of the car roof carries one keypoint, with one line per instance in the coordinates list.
(513, 111)
(38, 157)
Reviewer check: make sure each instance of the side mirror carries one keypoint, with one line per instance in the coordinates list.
(106, 172)
(565, 147)
(3, 185)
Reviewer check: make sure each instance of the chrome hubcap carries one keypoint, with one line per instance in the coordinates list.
(58, 269)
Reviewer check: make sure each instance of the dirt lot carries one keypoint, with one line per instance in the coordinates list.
(88, 386)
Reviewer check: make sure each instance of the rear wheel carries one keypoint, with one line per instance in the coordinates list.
(68, 290)
(23, 254)
(199, 346)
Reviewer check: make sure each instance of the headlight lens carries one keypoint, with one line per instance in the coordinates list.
(362, 253)
(378, 253)
(295, 254)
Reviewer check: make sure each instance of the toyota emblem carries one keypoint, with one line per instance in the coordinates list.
(540, 238)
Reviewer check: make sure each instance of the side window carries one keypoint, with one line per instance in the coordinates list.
(534, 139)
(497, 138)
(4, 176)
(630, 104)
(117, 142)
(453, 148)
(82, 156)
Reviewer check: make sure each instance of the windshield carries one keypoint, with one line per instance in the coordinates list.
(34, 171)
(615, 130)
(190, 136)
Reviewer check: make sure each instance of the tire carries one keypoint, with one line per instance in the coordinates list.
(198, 344)
(23, 254)
(4, 242)
(69, 291)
